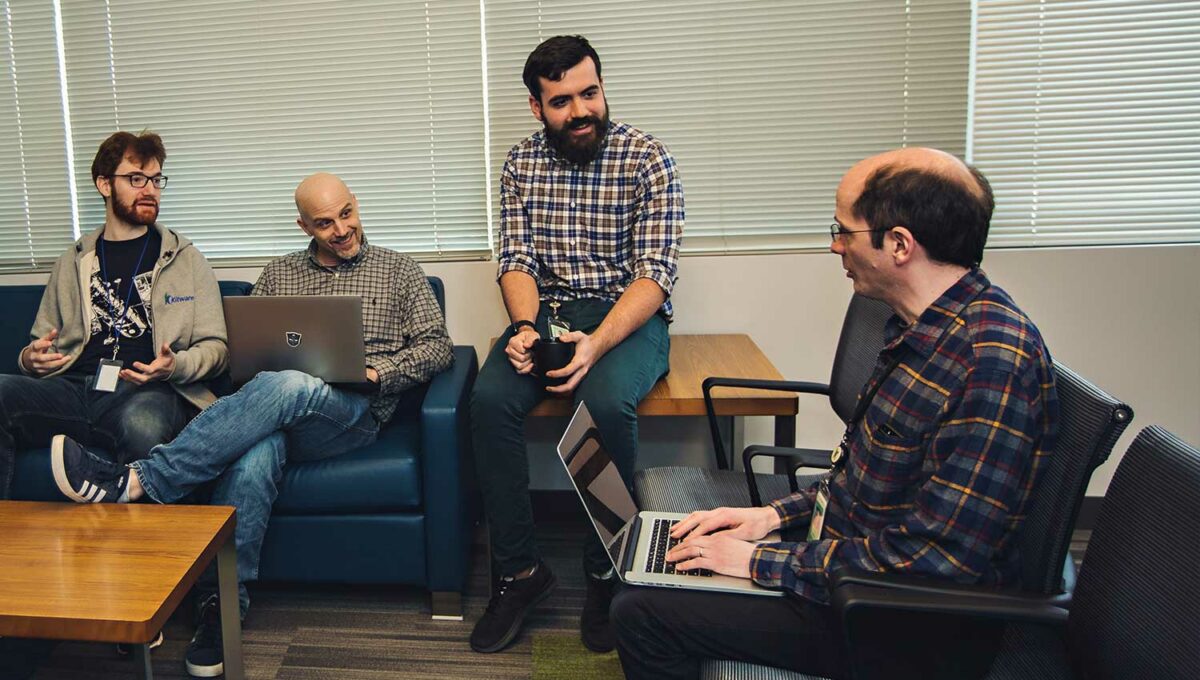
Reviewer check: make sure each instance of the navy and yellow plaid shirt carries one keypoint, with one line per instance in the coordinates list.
(590, 231)
(940, 468)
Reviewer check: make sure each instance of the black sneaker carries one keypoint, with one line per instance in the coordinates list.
(125, 650)
(594, 628)
(205, 657)
(510, 602)
(83, 476)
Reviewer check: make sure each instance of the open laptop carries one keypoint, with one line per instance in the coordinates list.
(321, 335)
(637, 541)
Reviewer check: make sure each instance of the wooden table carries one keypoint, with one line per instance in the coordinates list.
(696, 357)
(112, 573)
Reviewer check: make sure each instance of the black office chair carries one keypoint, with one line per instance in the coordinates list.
(1133, 614)
(1090, 422)
(684, 489)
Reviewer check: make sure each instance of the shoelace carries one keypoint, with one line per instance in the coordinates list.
(498, 598)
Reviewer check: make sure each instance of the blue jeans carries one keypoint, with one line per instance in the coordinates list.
(502, 398)
(244, 440)
(128, 422)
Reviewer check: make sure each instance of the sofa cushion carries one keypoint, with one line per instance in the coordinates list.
(382, 477)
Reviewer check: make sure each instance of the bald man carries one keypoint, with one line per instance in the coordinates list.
(244, 440)
(934, 473)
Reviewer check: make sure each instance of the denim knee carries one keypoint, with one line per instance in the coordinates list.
(296, 387)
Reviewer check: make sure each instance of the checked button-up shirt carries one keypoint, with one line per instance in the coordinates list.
(403, 329)
(590, 231)
(941, 467)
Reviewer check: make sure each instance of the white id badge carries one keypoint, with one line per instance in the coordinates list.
(106, 375)
(818, 514)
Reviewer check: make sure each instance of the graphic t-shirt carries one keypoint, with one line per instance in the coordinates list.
(117, 260)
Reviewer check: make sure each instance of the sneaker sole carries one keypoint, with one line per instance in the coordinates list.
(58, 465)
(516, 627)
(205, 671)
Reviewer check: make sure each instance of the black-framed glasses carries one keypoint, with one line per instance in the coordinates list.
(137, 180)
(836, 230)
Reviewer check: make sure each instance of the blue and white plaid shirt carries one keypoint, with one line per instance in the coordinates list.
(590, 231)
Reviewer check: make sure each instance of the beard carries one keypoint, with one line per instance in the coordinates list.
(129, 212)
(578, 151)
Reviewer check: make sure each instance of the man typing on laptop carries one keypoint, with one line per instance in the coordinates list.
(245, 439)
(934, 474)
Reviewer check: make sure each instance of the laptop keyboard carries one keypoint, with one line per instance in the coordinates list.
(660, 543)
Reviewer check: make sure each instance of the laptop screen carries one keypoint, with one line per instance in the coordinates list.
(595, 477)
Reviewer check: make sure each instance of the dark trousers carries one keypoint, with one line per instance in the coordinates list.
(502, 398)
(666, 633)
(128, 422)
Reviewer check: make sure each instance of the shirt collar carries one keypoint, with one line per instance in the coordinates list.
(547, 148)
(925, 333)
(344, 264)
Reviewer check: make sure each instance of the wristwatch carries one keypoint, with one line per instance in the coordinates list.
(516, 326)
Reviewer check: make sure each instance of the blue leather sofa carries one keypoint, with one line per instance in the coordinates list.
(399, 511)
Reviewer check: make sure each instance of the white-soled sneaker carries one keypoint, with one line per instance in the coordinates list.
(84, 477)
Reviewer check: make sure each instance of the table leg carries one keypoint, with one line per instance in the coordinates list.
(231, 621)
(141, 657)
(737, 441)
(785, 435)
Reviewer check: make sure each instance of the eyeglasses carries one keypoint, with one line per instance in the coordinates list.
(836, 230)
(137, 180)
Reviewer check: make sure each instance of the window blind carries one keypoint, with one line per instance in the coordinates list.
(1087, 120)
(35, 205)
(252, 97)
(765, 104)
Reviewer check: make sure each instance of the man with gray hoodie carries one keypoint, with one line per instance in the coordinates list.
(129, 325)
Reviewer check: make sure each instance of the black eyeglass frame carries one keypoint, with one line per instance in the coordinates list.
(837, 229)
(159, 181)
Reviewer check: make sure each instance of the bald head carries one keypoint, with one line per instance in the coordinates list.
(318, 189)
(329, 214)
(944, 203)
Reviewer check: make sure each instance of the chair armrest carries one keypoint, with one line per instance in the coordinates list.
(447, 472)
(852, 600)
(797, 458)
(844, 576)
(748, 383)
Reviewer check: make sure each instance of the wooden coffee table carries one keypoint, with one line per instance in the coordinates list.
(113, 573)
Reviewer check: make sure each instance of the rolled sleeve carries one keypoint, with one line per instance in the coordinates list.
(516, 238)
(659, 229)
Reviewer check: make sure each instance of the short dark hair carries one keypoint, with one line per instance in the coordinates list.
(141, 147)
(553, 58)
(949, 219)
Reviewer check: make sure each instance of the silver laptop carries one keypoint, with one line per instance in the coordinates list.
(637, 541)
(321, 335)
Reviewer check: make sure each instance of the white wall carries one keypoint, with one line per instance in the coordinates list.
(1128, 319)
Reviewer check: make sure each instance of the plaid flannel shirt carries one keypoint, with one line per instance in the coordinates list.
(940, 468)
(590, 231)
(403, 329)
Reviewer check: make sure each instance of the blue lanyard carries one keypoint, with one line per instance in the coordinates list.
(115, 325)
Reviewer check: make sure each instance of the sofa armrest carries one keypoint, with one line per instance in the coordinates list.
(448, 472)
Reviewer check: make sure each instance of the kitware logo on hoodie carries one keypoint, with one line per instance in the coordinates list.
(172, 299)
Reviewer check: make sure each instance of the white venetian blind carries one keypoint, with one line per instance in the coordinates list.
(764, 103)
(1087, 120)
(250, 97)
(35, 205)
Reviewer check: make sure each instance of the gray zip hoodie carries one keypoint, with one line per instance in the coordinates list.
(185, 304)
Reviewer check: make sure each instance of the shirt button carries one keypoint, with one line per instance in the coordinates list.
(572, 204)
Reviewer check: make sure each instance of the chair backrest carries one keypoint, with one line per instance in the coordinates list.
(1134, 609)
(857, 351)
(1089, 423)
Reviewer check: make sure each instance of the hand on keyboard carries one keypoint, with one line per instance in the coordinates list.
(747, 524)
(718, 552)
